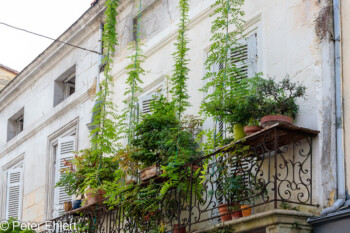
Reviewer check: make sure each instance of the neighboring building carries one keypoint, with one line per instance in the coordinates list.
(47, 107)
(6, 75)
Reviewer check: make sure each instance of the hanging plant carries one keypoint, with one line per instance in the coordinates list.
(180, 72)
(133, 81)
(224, 84)
(90, 164)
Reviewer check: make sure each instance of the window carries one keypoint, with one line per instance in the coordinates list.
(63, 152)
(144, 104)
(15, 124)
(151, 17)
(14, 186)
(245, 58)
(64, 86)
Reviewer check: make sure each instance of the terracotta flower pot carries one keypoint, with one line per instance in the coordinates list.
(67, 206)
(93, 197)
(179, 229)
(236, 211)
(273, 119)
(248, 130)
(224, 213)
(246, 210)
(149, 172)
(148, 216)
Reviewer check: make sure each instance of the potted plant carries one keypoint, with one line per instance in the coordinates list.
(87, 172)
(277, 100)
(239, 108)
(252, 127)
(151, 139)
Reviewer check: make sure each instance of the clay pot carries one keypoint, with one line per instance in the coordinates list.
(68, 206)
(248, 130)
(149, 172)
(93, 197)
(224, 213)
(246, 210)
(273, 119)
(148, 216)
(179, 229)
(236, 211)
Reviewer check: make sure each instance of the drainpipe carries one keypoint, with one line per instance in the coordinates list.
(98, 104)
(100, 57)
(339, 113)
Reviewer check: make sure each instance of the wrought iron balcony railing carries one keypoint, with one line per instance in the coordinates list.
(270, 169)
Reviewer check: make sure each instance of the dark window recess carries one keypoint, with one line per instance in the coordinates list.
(64, 86)
(15, 124)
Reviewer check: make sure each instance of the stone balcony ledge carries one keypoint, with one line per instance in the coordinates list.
(273, 221)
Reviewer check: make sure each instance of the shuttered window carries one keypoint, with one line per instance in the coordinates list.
(144, 103)
(244, 57)
(64, 152)
(14, 193)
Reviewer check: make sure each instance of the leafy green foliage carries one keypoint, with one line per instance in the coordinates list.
(180, 73)
(225, 82)
(86, 171)
(158, 139)
(135, 70)
(279, 97)
(92, 167)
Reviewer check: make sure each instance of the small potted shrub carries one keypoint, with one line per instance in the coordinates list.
(239, 108)
(151, 138)
(84, 174)
(277, 100)
(230, 190)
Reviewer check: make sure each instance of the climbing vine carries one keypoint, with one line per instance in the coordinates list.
(135, 70)
(180, 73)
(222, 77)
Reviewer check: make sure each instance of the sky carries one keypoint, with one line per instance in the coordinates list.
(47, 17)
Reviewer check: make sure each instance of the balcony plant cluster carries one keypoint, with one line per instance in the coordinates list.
(165, 139)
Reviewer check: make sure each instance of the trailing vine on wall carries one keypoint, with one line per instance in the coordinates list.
(133, 81)
(180, 73)
(222, 83)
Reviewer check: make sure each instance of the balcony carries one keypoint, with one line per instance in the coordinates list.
(275, 176)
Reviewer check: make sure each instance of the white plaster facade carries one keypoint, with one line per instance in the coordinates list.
(289, 41)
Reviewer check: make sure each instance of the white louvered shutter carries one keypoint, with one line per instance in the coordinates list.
(14, 193)
(252, 61)
(65, 149)
(145, 102)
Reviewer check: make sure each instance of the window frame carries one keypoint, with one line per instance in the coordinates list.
(14, 163)
(72, 128)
